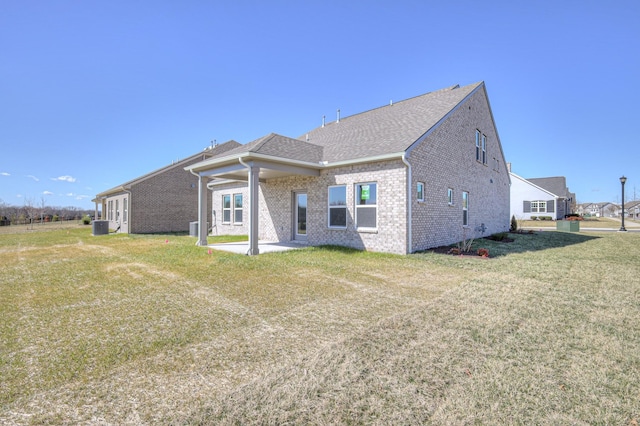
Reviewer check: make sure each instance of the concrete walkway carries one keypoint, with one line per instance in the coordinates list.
(263, 247)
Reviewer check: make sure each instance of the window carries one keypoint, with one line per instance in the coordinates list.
(481, 147)
(110, 211)
(226, 208)
(337, 206)
(538, 207)
(125, 210)
(450, 196)
(117, 211)
(484, 149)
(237, 208)
(366, 205)
(465, 208)
(420, 191)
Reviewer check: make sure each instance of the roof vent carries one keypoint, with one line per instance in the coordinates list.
(307, 137)
(391, 102)
(214, 143)
(338, 120)
(323, 119)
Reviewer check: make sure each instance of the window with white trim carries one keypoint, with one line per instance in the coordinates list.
(481, 147)
(226, 208)
(484, 149)
(337, 206)
(125, 210)
(465, 208)
(420, 191)
(538, 207)
(237, 208)
(450, 196)
(366, 205)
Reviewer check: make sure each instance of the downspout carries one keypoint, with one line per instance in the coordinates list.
(409, 203)
(128, 191)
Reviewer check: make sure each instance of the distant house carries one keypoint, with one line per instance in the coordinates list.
(603, 209)
(165, 200)
(587, 209)
(540, 197)
(632, 209)
(411, 175)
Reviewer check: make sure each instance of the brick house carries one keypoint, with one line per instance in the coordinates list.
(415, 174)
(541, 197)
(164, 200)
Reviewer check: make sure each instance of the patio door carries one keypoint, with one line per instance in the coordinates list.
(300, 216)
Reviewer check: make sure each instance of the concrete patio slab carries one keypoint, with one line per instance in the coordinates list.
(263, 247)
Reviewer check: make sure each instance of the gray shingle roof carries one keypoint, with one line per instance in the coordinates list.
(389, 129)
(556, 185)
(203, 155)
(385, 130)
(283, 147)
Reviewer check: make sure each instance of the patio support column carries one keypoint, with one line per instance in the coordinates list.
(202, 212)
(254, 175)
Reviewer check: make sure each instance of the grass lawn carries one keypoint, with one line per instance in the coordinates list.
(121, 329)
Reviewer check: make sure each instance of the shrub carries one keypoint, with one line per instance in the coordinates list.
(86, 220)
(514, 224)
(500, 236)
(534, 217)
(483, 252)
(546, 218)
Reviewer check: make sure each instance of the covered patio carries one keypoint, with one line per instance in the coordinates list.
(254, 163)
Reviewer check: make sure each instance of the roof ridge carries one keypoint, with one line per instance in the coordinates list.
(434, 92)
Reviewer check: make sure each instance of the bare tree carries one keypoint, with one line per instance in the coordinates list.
(42, 209)
(30, 210)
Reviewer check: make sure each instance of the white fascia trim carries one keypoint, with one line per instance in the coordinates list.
(248, 156)
(255, 156)
(113, 191)
(373, 159)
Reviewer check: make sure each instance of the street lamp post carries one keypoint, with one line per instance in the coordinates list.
(623, 179)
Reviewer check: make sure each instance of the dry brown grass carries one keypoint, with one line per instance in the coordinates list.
(136, 330)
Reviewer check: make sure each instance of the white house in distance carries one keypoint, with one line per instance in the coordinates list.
(540, 197)
(407, 176)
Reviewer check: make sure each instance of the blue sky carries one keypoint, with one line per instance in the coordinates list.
(93, 94)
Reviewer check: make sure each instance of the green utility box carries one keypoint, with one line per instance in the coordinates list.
(568, 225)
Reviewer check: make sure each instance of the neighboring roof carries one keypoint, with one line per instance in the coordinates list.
(527, 181)
(556, 185)
(203, 155)
(389, 129)
(631, 204)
